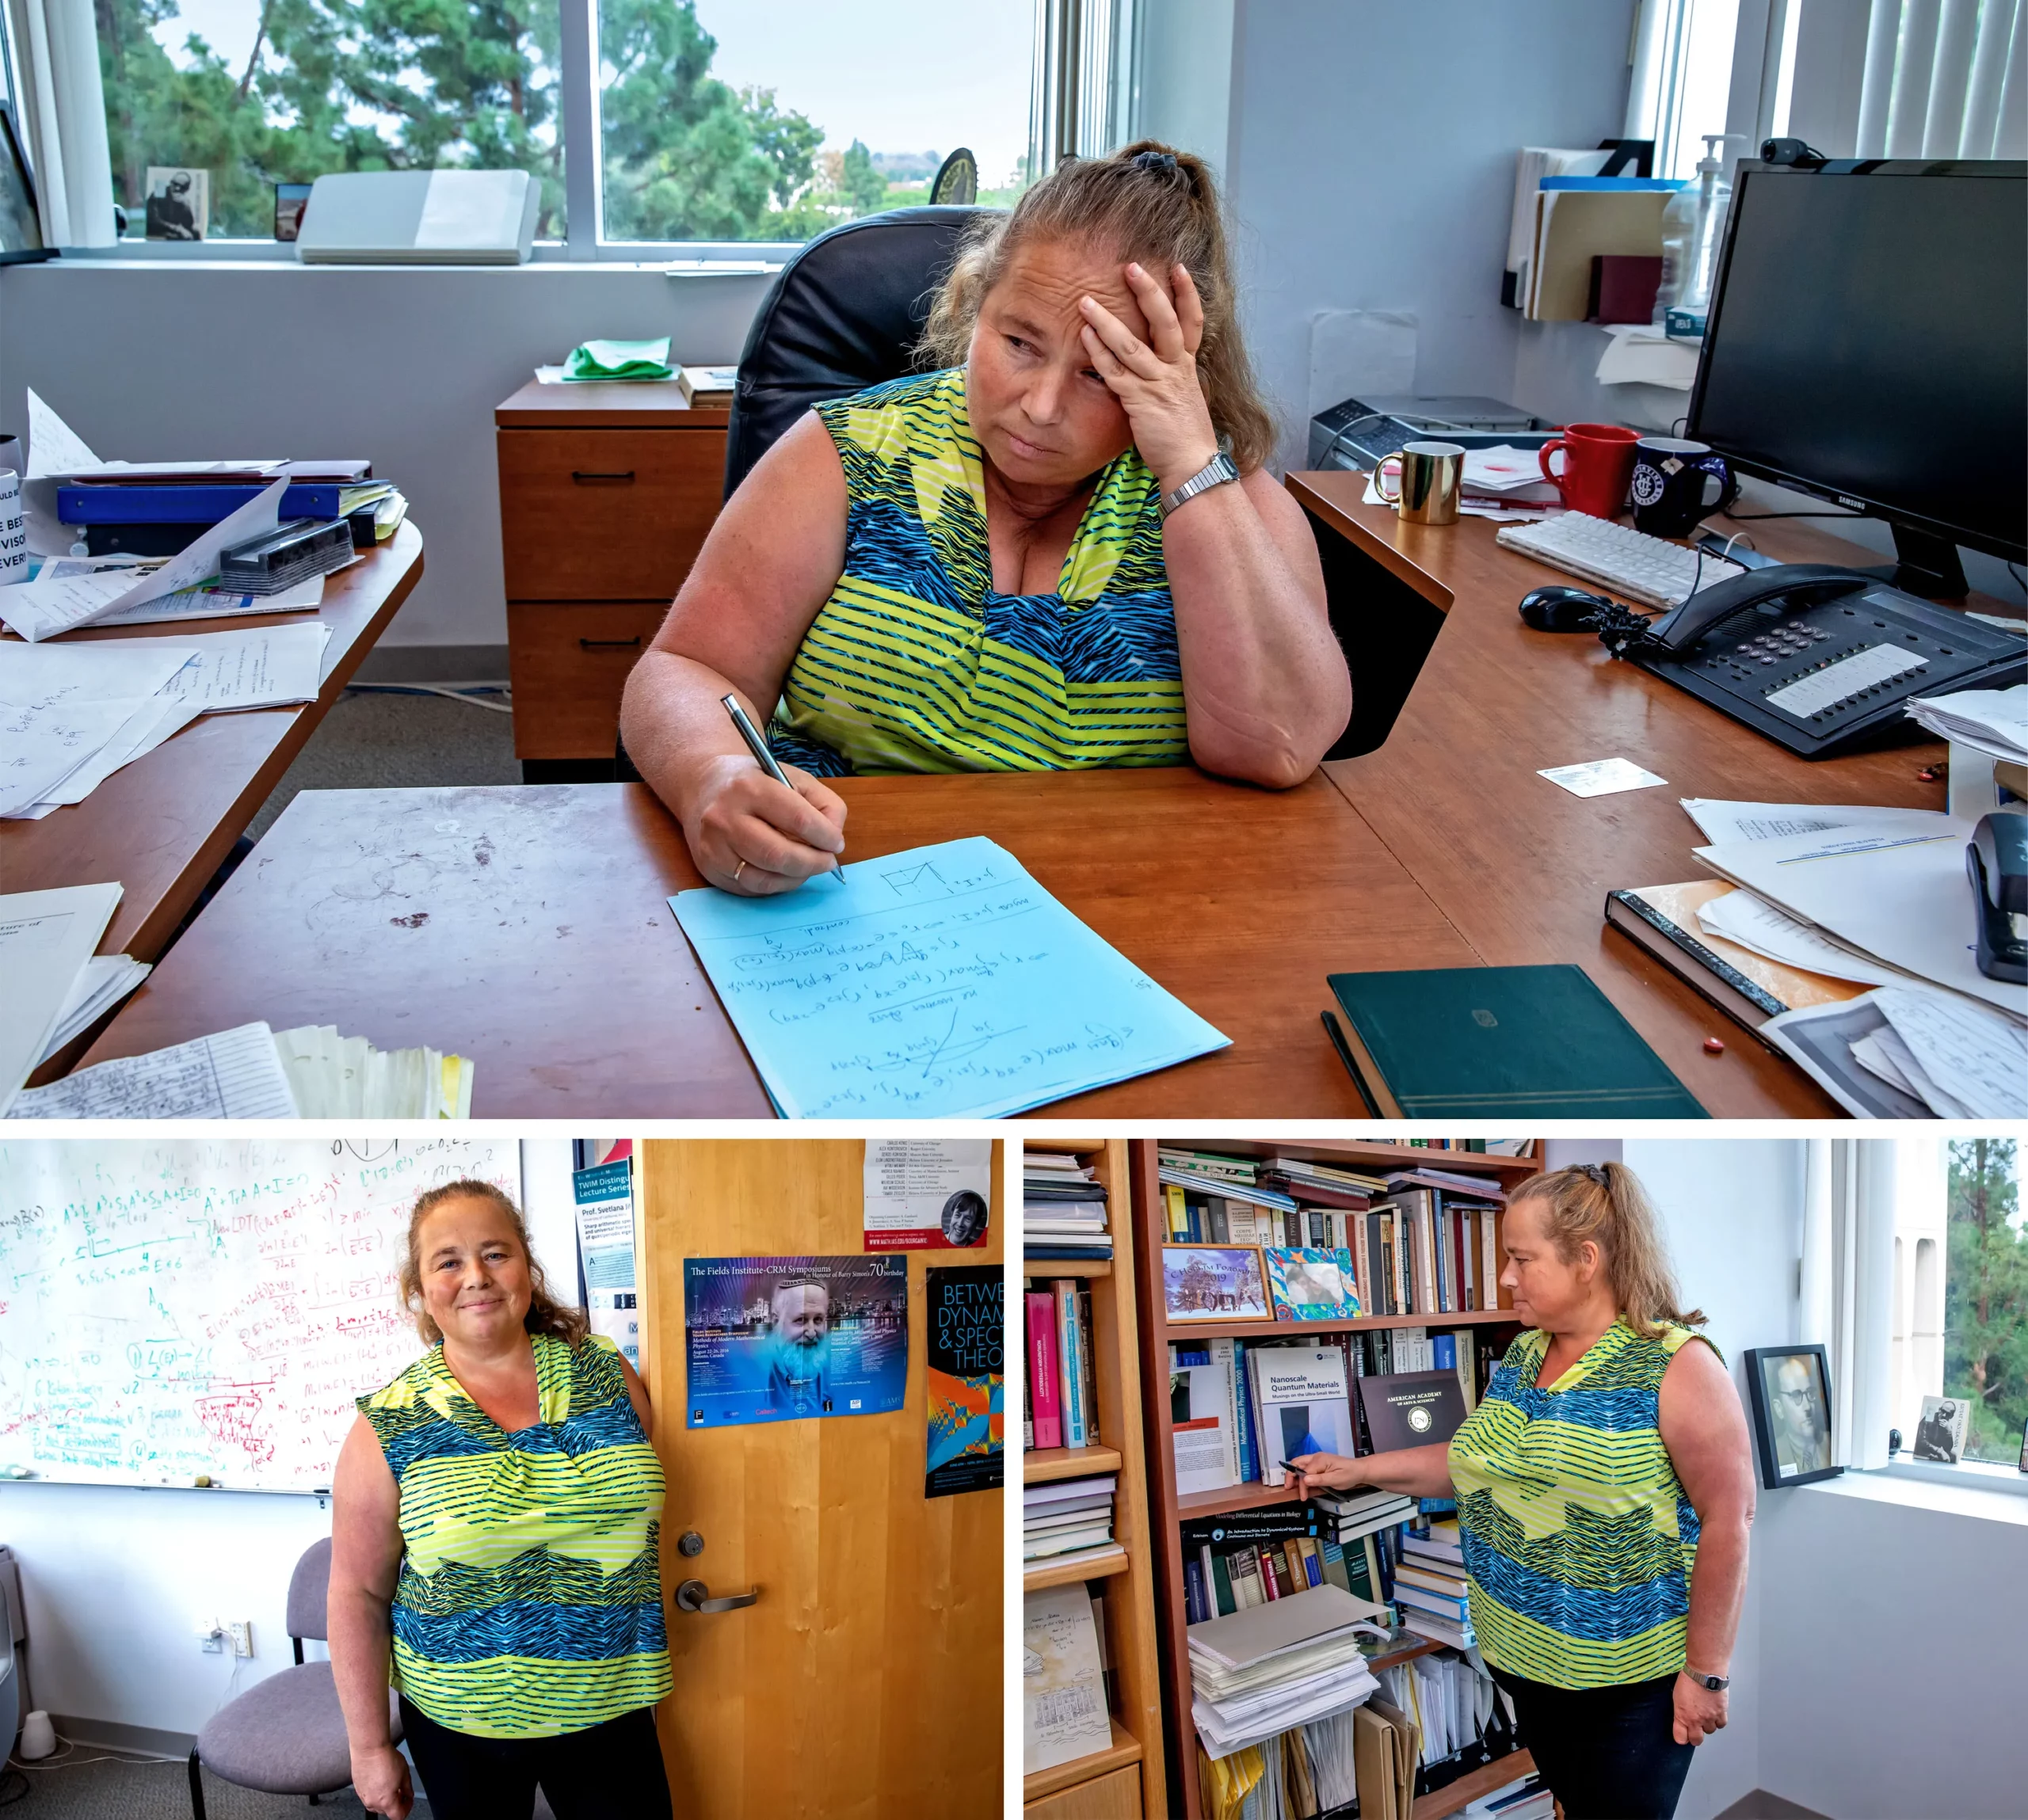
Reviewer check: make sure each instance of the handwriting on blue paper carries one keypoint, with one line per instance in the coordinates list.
(940, 982)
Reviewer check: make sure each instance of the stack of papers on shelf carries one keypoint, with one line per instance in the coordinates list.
(250, 1072)
(1068, 1518)
(1063, 1208)
(1262, 1670)
(1638, 354)
(1528, 1798)
(1532, 164)
(72, 714)
(1994, 722)
(1880, 896)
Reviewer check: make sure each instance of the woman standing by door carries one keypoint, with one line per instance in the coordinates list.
(1605, 1489)
(494, 1540)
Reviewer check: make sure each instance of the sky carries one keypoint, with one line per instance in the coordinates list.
(903, 75)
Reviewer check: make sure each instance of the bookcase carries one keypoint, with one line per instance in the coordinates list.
(1166, 1509)
(1126, 1781)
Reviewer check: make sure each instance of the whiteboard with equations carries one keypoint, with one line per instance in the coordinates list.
(171, 1308)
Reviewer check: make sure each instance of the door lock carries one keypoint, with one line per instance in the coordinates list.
(689, 1544)
(694, 1595)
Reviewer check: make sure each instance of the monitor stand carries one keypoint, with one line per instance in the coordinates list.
(1925, 566)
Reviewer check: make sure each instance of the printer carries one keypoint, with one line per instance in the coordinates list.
(1360, 432)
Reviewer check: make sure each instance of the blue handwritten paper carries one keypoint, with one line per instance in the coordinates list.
(939, 983)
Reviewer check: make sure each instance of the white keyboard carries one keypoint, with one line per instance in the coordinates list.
(1649, 569)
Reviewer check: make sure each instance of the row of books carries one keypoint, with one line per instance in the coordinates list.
(1063, 1207)
(1234, 1562)
(1058, 1408)
(1240, 1410)
(1069, 1519)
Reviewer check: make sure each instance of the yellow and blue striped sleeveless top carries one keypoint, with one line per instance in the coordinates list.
(529, 1601)
(915, 665)
(1578, 1539)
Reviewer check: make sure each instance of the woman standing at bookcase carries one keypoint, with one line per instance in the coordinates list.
(1604, 1488)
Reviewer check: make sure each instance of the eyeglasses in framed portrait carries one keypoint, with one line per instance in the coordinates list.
(1790, 1387)
(20, 222)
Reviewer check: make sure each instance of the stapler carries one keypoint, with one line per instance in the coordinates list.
(1997, 859)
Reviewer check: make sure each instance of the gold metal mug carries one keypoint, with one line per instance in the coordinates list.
(1430, 475)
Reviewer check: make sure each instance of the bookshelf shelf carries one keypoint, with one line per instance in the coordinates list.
(1039, 1575)
(1468, 1788)
(1167, 1510)
(1124, 1749)
(1130, 1777)
(1178, 1333)
(1044, 1465)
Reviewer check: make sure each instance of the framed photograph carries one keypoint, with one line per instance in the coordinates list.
(1940, 1434)
(21, 223)
(179, 202)
(2024, 1447)
(1790, 1390)
(1312, 1285)
(290, 200)
(1213, 1283)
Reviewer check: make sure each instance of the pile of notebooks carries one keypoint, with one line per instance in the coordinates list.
(1264, 1670)
(1429, 1585)
(159, 509)
(1060, 1409)
(1354, 1514)
(1063, 1207)
(1069, 1520)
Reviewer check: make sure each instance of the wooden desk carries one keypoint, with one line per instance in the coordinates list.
(526, 928)
(162, 825)
(1521, 867)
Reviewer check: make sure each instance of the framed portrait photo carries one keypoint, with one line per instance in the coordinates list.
(1213, 1283)
(21, 225)
(1790, 1390)
(1312, 1285)
(1940, 1433)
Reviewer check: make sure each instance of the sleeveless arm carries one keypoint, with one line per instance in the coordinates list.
(366, 1559)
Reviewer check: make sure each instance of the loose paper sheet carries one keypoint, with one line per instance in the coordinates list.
(1979, 1062)
(1063, 1698)
(234, 1074)
(1740, 916)
(55, 449)
(943, 982)
(927, 1194)
(254, 666)
(46, 938)
(1720, 821)
(1602, 777)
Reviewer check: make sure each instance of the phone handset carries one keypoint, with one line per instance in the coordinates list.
(1802, 584)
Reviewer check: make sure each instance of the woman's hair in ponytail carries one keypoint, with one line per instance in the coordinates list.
(1605, 1203)
(546, 1315)
(1146, 202)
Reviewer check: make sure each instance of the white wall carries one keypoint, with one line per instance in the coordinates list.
(1372, 168)
(116, 1577)
(1185, 76)
(153, 360)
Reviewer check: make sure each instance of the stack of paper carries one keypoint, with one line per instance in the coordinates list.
(250, 1072)
(1063, 1207)
(1994, 722)
(102, 983)
(1878, 896)
(47, 938)
(72, 714)
(1068, 1517)
(1506, 472)
(1261, 1671)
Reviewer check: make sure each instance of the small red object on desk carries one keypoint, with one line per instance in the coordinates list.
(1713, 1047)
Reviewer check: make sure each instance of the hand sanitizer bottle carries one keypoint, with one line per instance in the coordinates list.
(1693, 230)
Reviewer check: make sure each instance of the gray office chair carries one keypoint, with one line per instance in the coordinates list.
(286, 1735)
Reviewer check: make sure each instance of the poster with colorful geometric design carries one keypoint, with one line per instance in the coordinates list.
(967, 1327)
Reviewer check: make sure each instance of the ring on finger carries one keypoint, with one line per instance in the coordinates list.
(735, 871)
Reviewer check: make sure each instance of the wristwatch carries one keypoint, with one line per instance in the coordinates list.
(1717, 1683)
(1215, 472)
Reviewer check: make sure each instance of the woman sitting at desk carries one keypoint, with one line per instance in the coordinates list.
(1029, 561)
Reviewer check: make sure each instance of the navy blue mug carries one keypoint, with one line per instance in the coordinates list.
(1677, 484)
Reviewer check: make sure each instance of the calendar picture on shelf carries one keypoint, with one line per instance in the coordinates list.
(1213, 1283)
(1309, 1284)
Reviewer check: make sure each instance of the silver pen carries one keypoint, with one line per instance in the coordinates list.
(765, 759)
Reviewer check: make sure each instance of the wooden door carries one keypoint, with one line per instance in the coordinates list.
(865, 1681)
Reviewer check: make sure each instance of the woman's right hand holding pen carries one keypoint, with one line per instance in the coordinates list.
(1310, 1473)
(749, 834)
(1415, 1472)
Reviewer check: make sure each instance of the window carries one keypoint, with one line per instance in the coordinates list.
(1682, 78)
(716, 120)
(1984, 1353)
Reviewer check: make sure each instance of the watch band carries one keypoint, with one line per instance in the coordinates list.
(1215, 472)
(1717, 1683)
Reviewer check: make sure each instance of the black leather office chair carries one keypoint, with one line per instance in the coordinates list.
(843, 315)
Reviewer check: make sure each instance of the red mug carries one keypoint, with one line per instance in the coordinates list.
(1598, 466)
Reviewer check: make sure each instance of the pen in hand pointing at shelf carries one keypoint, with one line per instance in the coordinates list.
(764, 758)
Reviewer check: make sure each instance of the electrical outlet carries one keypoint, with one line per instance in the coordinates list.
(241, 1631)
(211, 1636)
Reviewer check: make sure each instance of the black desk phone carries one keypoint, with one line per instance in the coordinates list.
(1822, 660)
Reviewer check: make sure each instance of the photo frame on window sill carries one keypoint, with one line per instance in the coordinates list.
(21, 221)
(1790, 1387)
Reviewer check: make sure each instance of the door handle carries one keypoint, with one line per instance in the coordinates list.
(632, 643)
(694, 1595)
(588, 479)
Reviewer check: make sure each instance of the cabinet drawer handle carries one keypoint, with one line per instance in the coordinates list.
(632, 643)
(584, 479)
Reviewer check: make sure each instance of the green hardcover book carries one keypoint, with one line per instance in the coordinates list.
(1492, 1042)
(1221, 1581)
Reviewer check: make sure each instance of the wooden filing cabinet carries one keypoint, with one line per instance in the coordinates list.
(607, 492)
(1114, 1797)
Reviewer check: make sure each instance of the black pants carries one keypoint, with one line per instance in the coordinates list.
(609, 1771)
(1609, 1753)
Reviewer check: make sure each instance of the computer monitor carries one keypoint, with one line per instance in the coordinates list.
(1867, 342)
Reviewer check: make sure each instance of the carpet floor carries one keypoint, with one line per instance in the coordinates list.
(88, 1785)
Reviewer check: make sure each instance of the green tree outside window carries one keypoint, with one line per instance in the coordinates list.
(1985, 1347)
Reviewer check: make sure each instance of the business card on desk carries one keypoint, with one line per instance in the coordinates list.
(1601, 777)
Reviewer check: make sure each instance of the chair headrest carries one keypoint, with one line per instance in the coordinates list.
(844, 315)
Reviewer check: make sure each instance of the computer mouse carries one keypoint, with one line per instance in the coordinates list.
(1559, 609)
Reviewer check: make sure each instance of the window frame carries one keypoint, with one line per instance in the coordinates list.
(584, 242)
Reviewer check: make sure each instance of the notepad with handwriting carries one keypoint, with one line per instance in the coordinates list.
(939, 983)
